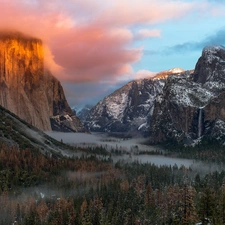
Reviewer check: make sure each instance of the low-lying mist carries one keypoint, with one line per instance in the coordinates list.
(128, 145)
(133, 150)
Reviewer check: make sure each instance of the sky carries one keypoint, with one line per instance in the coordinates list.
(95, 46)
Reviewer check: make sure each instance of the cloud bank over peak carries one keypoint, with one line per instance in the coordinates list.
(90, 41)
(101, 41)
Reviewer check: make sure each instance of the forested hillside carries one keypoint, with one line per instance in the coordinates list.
(40, 189)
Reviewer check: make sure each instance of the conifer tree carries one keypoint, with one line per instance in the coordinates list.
(206, 205)
(188, 207)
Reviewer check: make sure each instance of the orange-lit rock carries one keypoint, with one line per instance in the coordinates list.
(27, 88)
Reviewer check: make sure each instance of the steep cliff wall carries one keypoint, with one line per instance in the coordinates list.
(27, 88)
(193, 106)
(130, 107)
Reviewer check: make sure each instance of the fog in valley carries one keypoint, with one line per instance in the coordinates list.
(127, 145)
(88, 178)
(132, 150)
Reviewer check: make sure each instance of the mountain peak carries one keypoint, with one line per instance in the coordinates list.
(164, 74)
(176, 70)
(209, 66)
(213, 49)
(213, 52)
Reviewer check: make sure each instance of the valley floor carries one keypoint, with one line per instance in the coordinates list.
(111, 181)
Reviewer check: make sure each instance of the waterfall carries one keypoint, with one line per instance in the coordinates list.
(200, 122)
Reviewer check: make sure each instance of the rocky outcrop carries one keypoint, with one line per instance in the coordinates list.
(192, 105)
(129, 108)
(210, 66)
(27, 88)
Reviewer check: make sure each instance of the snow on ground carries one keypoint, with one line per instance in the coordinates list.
(176, 70)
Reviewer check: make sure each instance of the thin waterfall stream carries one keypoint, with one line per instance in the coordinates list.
(200, 123)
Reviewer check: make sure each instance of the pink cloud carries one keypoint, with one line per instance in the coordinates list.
(117, 13)
(89, 40)
(75, 52)
(144, 74)
(145, 33)
(94, 53)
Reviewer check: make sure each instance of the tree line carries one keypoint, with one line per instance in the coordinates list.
(94, 192)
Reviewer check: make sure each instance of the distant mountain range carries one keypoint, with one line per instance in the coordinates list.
(175, 105)
(83, 112)
(129, 108)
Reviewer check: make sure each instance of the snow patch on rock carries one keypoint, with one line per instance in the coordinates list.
(116, 105)
(176, 70)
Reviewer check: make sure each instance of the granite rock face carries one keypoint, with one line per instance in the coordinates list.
(192, 105)
(129, 108)
(210, 66)
(168, 107)
(27, 88)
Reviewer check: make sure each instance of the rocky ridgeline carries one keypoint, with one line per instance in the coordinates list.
(192, 106)
(175, 105)
(129, 108)
(28, 89)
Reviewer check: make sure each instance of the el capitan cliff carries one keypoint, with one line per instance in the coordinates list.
(27, 87)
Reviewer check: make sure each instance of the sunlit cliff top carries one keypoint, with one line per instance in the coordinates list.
(13, 34)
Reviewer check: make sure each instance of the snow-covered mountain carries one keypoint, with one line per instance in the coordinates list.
(169, 107)
(128, 108)
(192, 105)
(83, 113)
